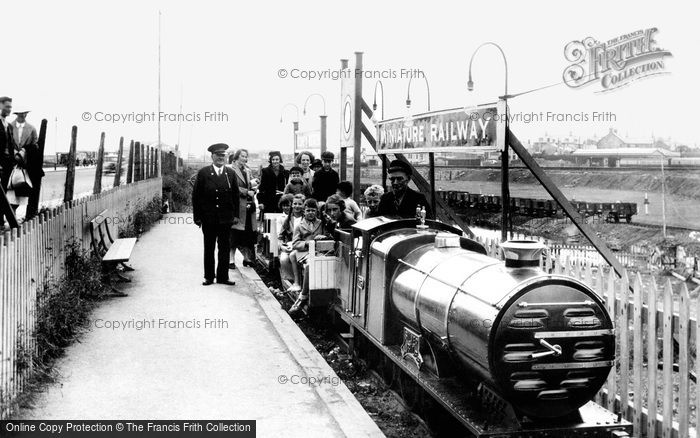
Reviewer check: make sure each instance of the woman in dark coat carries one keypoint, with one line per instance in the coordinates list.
(243, 232)
(273, 179)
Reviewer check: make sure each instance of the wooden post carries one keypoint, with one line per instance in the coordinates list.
(637, 359)
(97, 187)
(142, 166)
(33, 205)
(130, 164)
(154, 155)
(70, 167)
(652, 358)
(667, 342)
(120, 154)
(154, 163)
(137, 161)
(683, 365)
(6, 210)
(343, 163)
(357, 129)
(623, 327)
(145, 161)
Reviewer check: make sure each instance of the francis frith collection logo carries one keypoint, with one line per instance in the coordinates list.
(616, 62)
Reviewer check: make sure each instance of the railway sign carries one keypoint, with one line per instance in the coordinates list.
(455, 130)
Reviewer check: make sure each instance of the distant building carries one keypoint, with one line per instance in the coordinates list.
(613, 141)
(623, 156)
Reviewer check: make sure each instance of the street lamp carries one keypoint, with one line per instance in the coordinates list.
(505, 192)
(470, 83)
(323, 118)
(408, 94)
(295, 123)
(312, 95)
(374, 105)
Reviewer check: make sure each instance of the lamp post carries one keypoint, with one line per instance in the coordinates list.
(323, 118)
(295, 123)
(431, 155)
(503, 100)
(408, 93)
(374, 104)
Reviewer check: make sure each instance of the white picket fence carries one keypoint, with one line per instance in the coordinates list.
(35, 253)
(655, 395)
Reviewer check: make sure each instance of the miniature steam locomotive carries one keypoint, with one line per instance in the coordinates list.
(507, 349)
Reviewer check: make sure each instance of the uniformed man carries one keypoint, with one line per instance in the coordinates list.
(401, 201)
(215, 209)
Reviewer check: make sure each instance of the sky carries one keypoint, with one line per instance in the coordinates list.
(70, 58)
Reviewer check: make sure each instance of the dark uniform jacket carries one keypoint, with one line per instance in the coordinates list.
(324, 184)
(407, 209)
(215, 198)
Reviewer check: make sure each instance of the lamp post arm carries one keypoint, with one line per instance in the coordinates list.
(322, 98)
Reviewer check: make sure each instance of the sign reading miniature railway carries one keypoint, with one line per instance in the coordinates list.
(455, 130)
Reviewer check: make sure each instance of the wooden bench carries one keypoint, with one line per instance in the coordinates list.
(112, 252)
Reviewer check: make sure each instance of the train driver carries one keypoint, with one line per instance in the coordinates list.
(401, 201)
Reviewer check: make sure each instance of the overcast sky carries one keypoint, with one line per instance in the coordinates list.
(63, 59)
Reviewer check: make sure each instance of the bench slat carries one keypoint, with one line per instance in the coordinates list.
(120, 251)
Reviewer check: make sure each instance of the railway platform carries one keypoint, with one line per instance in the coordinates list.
(174, 349)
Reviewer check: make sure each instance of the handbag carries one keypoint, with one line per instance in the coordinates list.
(20, 182)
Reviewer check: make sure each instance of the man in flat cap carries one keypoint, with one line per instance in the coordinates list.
(215, 209)
(401, 201)
(326, 180)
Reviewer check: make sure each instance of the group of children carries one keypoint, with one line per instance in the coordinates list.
(303, 220)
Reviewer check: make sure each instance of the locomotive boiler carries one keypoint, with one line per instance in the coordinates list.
(543, 344)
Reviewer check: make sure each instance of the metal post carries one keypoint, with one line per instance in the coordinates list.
(431, 160)
(295, 126)
(357, 129)
(323, 133)
(663, 196)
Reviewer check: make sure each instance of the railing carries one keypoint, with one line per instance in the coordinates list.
(651, 323)
(35, 253)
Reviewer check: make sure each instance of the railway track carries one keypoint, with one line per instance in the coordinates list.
(569, 168)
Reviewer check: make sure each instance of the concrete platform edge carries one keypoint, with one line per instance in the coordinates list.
(351, 417)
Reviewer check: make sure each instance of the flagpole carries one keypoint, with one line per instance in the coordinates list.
(160, 146)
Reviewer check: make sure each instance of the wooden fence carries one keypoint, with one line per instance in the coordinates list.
(654, 385)
(34, 254)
